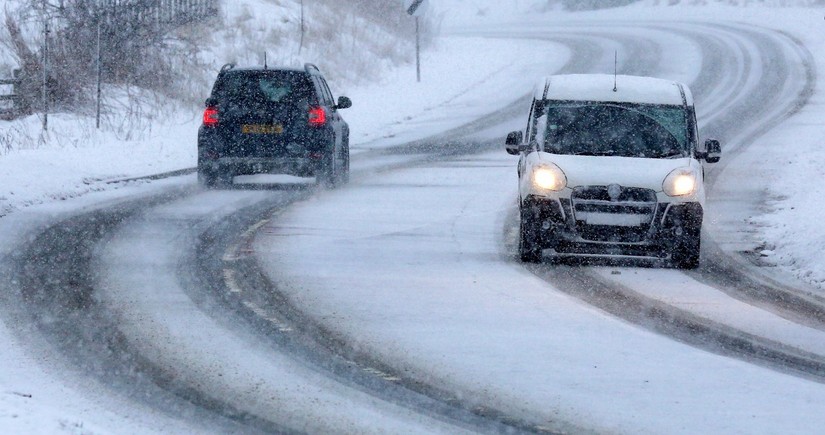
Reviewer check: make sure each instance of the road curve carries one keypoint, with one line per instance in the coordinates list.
(75, 283)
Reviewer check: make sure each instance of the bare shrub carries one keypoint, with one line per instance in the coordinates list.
(140, 40)
(15, 135)
(351, 40)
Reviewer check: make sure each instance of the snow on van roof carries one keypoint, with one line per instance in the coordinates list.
(599, 87)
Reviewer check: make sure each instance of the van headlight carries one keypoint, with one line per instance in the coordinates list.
(549, 177)
(680, 182)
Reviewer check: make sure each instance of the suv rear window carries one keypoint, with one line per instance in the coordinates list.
(263, 87)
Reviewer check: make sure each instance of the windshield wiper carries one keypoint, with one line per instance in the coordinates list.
(671, 154)
(588, 153)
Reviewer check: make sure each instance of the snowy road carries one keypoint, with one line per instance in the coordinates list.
(437, 281)
(395, 304)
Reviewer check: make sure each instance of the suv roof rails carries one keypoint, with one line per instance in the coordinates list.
(227, 67)
(308, 67)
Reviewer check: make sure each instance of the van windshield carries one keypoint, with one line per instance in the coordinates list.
(610, 129)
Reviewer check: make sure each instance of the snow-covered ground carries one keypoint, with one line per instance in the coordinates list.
(463, 78)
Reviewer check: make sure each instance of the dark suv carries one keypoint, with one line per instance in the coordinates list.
(273, 120)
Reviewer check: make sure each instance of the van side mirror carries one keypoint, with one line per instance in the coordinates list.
(513, 144)
(343, 103)
(713, 151)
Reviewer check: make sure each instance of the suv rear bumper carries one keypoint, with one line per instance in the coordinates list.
(222, 159)
(562, 232)
(232, 166)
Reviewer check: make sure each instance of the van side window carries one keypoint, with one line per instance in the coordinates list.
(535, 113)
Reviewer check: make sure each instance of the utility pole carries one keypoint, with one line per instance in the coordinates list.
(46, 75)
(99, 76)
(417, 50)
(301, 44)
(414, 8)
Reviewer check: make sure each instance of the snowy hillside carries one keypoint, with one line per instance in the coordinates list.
(485, 9)
(350, 46)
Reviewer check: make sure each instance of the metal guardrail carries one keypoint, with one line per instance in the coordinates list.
(176, 12)
(10, 112)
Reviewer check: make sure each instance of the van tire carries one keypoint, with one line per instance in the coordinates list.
(529, 246)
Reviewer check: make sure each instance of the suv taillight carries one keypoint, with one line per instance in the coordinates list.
(317, 117)
(210, 116)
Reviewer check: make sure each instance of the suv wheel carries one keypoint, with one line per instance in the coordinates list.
(207, 179)
(213, 179)
(345, 165)
(686, 251)
(529, 244)
(328, 175)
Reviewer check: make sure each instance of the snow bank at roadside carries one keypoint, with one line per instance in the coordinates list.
(462, 78)
(72, 158)
(792, 230)
(467, 12)
(792, 157)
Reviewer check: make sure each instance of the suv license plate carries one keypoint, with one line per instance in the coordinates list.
(262, 129)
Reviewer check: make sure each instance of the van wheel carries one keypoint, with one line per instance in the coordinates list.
(529, 245)
(686, 252)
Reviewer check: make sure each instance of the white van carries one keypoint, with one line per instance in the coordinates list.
(611, 166)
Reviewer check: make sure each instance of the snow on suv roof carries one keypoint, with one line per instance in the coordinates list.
(599, 87)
